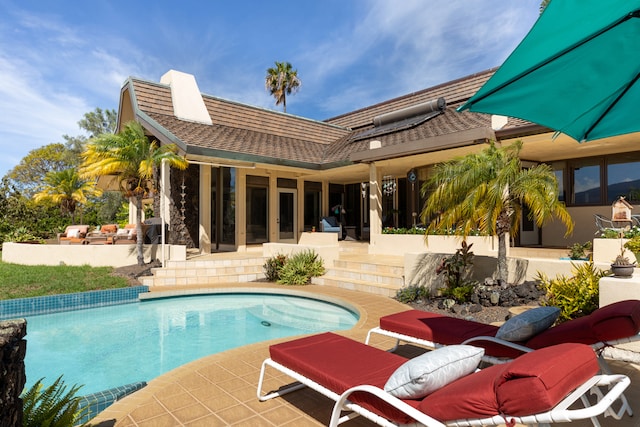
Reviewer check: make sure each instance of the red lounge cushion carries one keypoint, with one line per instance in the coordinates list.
(611, 322)
(339, 363)
(533, 383)
(470, 397)
(538, 381)
(444, 330)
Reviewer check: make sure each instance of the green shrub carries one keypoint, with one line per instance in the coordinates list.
(575, 296)
(21, 235)
(273, 266)
(300, 268)
(579, 250)
(455, 270)
(52, 406)
(412, 293)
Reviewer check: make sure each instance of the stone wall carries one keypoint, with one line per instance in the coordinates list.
(13, 349)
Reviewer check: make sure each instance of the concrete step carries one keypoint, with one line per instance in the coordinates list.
(207, 272)
(395, 278)
(358, 285)
(371, 266)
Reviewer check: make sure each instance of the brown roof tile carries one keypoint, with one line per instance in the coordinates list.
(240, 130)
(453, 92)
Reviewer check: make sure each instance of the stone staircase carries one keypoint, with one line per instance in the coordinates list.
(355, 269)
(380, 275)
(222, 268)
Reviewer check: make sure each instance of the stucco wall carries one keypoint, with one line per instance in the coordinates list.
(93, 255)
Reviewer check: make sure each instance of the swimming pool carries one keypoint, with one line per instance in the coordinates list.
(106, 347)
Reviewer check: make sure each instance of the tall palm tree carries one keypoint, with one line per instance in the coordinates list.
(66, 189)
(486, 191)
(281, 81)
(133, 158)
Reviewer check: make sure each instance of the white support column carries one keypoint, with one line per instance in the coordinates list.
(300, 208)
(325, 200)
(375, 202)
(274, 216)
(204, 225)
(165, 207)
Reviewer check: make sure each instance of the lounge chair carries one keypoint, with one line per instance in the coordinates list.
(329, 224)
(610, 325)
(537, 388)
(73, 234)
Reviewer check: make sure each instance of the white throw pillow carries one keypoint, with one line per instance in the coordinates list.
(528, 324)
(429, 372)
(73, 233)
(122, 232)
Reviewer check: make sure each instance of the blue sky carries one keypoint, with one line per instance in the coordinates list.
(61, 59)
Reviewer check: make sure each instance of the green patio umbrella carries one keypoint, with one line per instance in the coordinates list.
(576, 71)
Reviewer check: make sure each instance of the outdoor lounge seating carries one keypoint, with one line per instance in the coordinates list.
(536, 388)
(613, 324)
(128, 235)
(73, 234)
(329, 224)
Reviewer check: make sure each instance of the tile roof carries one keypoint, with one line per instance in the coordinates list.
(244, 132)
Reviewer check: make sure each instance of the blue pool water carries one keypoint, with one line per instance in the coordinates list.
(106, 347)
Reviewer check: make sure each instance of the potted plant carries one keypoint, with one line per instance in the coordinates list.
(621, 266)
(633, 245)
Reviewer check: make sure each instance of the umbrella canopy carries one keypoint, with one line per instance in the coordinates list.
(576, 71)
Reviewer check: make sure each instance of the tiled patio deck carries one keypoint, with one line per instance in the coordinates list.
(220, 390)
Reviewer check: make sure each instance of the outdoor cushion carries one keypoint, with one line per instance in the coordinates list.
(122, 232)
(470, 397)
(109, 228)
(534, 382)
(431, 371)
(444, 330)
(528, 324)
(73, 233)
(537, 381)
(611, 322)
(339, 363)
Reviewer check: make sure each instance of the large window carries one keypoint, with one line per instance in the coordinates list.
(312, 205)
(623, 178)
(257, 209)
(601, 180)
(587, 188)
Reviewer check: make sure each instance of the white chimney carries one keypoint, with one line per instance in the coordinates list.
(187, 100)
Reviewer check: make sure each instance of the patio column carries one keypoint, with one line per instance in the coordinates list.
(375, 203)
(204, 229)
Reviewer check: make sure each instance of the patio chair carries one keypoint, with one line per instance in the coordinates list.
(603, 223)
(613, 324)
(73, 234)
(329, 224)
(537, 388)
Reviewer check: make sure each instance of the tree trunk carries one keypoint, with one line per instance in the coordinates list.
(502, 271)
(139, 234)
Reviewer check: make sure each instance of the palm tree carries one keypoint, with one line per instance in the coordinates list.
(133, 158)
(486, 191)
(281, 81)
(544, 4)
(66, 189)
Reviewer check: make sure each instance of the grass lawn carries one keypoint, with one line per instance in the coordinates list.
(25, 281)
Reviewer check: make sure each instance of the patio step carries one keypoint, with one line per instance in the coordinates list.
(376, 275)
(207, 272)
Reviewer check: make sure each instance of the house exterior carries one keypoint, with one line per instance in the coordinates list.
(258, 175)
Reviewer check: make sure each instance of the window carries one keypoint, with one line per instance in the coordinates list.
(587, 188)
(623, 177)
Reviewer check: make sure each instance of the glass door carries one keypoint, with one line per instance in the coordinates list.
(287, 215)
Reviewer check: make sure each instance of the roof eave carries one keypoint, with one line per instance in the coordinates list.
(426, 145)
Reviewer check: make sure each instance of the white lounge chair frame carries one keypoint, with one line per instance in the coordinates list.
(616, 385)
